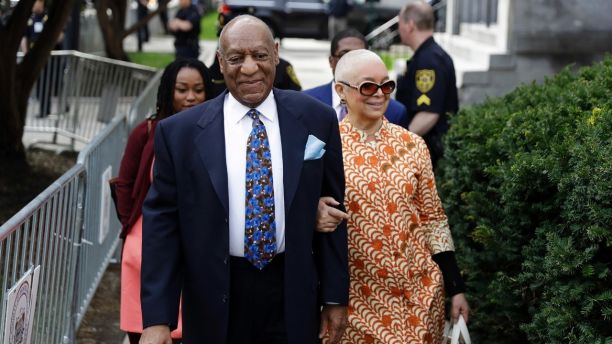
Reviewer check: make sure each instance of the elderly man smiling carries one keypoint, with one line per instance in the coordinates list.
(229, 220)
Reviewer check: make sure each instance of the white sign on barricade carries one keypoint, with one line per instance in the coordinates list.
(20, 308)
(105, 204)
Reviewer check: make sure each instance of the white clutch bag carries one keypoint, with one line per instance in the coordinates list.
(453, 333)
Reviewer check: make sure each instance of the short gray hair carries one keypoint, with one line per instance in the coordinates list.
(345, 69)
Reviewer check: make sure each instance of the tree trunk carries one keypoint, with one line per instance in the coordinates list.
(16, 80)
(113, 26)
(12, 106)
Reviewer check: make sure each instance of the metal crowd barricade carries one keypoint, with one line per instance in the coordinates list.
(70, 231)
(77, 94)
(45, 233)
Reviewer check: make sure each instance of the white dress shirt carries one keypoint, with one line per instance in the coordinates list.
(237, 127)
(335, 100)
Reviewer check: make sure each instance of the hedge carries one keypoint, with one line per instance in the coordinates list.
(527, 185)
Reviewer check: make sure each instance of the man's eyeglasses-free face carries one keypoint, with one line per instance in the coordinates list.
(369, 88)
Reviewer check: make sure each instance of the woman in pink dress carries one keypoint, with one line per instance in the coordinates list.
(184, 83)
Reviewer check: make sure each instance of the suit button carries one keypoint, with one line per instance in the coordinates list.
(226, 220)
(224, 298)
(225, 260)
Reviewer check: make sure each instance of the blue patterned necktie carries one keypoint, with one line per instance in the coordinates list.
(260, 225)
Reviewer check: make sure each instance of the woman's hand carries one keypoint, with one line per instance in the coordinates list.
(328, 217)
(459, 306)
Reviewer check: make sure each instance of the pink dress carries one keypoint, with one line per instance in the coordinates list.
(131, 312)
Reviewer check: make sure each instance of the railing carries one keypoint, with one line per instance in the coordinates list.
(101, 159)
(478, 11)
(70, 231)
(45, 234)
(77, 94)
(382, 37)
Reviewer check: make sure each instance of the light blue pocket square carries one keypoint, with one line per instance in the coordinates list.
(314, 148)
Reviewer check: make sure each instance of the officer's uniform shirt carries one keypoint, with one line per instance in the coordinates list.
(429, 84)
(189, 38)
(36, 24)
(285, 79)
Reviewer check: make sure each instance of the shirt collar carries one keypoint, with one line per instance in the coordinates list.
(425, 43)
(236, 111)
(335, 96)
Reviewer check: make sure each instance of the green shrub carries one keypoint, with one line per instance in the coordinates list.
(527, 186)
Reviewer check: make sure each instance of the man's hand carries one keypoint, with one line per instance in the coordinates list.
(328, 217)
(158, 334)
(459, 306)
(334, 319)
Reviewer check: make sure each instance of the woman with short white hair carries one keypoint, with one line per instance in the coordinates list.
(400, 246)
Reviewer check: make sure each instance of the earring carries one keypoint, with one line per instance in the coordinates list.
(342, 101)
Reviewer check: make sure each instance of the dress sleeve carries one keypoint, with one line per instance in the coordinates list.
(431, 214)
(128, 172)
(434, 222)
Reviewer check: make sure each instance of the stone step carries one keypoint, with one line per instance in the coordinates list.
(480, 32)
(476, 52)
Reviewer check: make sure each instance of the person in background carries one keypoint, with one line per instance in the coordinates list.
(163, 18)
(184, 83)
(337, 16)
(48, 83)
(401, 252)
(341, 44)
(229, 220)
(428, 89)
(186, 29)
(143, 32)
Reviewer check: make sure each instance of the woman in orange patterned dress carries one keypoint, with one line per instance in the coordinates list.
(401, 252)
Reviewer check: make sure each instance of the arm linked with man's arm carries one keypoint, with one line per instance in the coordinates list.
(161, 262)
(331, 249)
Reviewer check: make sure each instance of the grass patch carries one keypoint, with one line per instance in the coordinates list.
(151, 59)
(208, 26)
(389, 58)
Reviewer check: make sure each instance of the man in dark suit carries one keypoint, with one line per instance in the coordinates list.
(230, 216)
(341, 44)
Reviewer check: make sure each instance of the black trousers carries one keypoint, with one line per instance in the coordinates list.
(256, 301)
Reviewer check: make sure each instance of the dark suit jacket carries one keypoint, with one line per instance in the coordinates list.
(186, 235)
(396, 112)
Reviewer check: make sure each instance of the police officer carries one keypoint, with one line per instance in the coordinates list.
(186, 29)
(428, 88)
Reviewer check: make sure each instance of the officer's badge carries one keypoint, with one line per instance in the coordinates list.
(292, 75)
(425, 79)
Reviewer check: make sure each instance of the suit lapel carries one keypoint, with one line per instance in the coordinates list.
(327, 94)
(293, 138)
(210, 145)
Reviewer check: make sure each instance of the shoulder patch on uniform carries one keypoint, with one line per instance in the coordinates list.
(292, 75)
(425, 80)
(423, 99)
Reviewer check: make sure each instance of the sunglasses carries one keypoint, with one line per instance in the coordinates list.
(369, 88)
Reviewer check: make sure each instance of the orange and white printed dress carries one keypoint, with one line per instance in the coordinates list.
(396, 224)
